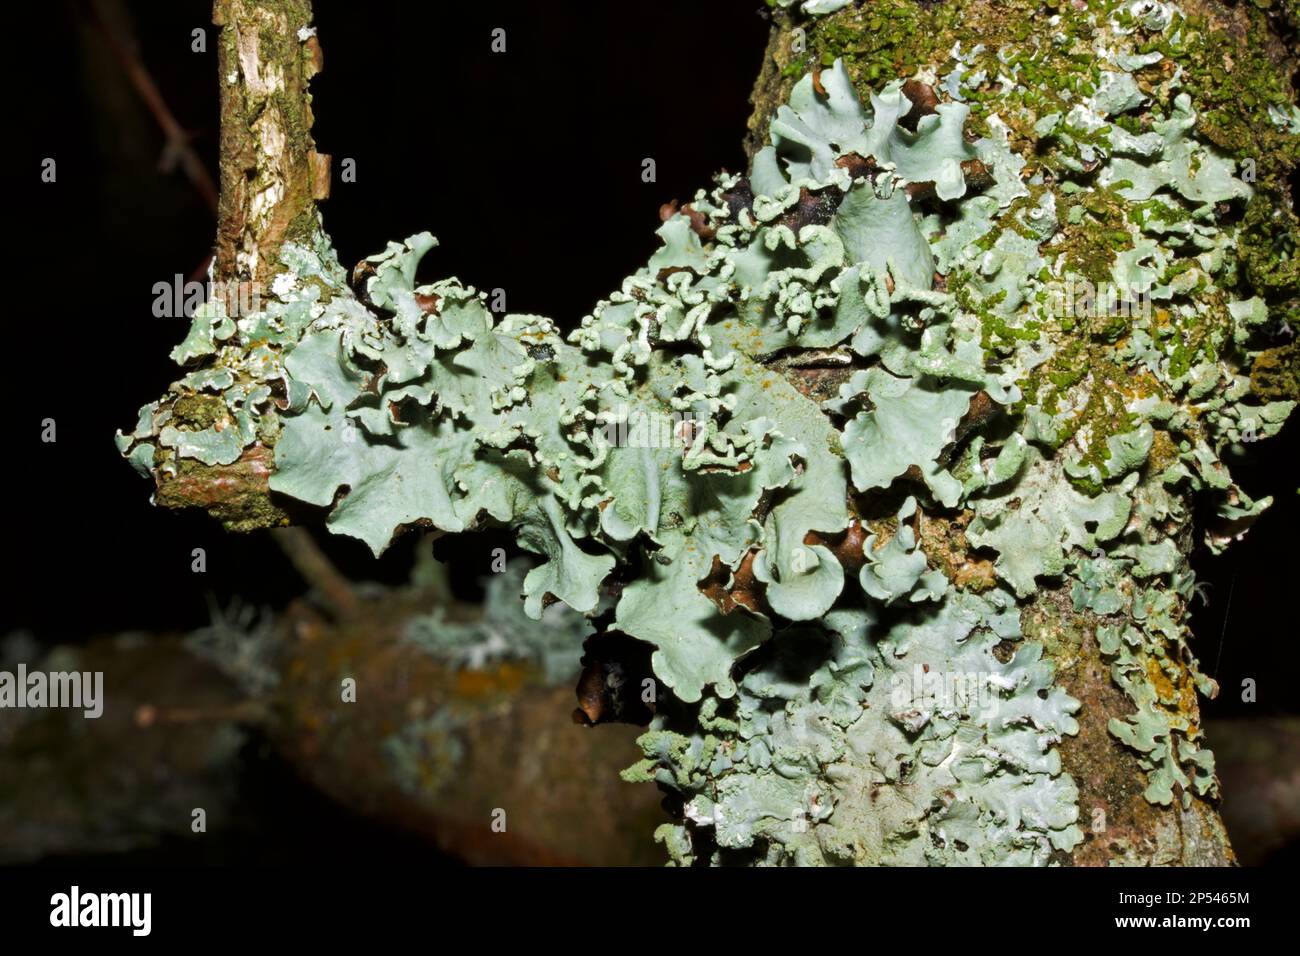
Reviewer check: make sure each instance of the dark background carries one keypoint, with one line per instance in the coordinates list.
(527, 167)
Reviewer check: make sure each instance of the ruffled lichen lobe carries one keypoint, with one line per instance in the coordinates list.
(888, 455)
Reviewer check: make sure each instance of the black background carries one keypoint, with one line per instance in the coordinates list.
(526, 165)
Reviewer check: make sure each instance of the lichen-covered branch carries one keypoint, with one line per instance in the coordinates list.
(271, 174)
(210, 455)
(886, 460)
(459, 712)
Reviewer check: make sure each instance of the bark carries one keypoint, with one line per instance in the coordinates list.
(177, 734)
(484, 739)
(271, 174)
(1110, 781)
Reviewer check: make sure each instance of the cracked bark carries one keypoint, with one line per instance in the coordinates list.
(271, 174)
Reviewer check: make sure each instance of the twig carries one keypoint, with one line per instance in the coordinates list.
(178, 149)
(244, 712)
(1224, 633)
(317, 570)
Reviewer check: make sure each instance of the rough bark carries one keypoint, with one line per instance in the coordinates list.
(1129, 829)
(271, 174)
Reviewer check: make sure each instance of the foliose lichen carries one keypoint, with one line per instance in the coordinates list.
(991, 294)
(503, 632)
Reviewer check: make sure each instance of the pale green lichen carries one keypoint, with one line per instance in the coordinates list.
(888, 737)
(504, 633)
(813, 7)
(234, 396)
(1070, 271)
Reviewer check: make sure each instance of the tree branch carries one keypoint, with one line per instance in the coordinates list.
(271, 174)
